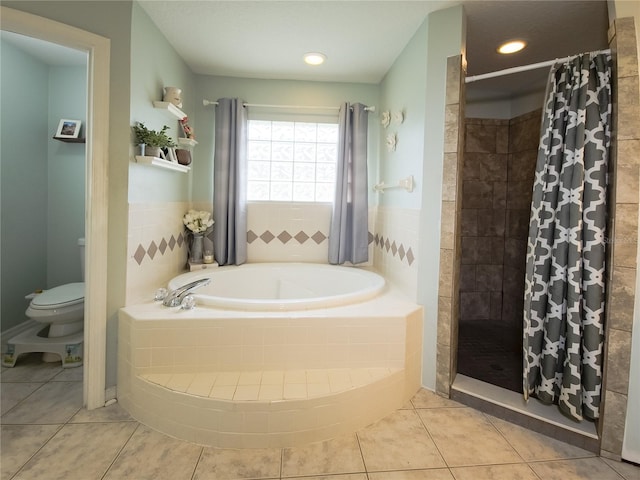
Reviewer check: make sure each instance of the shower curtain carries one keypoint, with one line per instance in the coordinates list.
(230, 183)
(565, 272)
(349, 228)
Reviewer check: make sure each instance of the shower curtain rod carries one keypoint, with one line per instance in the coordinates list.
(206, 102)
(523, 68)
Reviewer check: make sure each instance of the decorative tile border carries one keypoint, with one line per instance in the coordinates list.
(161, 247)
(401, 251)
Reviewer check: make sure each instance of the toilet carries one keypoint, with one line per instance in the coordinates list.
(59, 313)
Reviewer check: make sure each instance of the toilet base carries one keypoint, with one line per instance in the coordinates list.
(69, 348)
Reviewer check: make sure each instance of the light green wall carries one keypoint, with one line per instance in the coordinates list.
(404, 89)
(23, 180)
(271, 92)
(112, 20)
(65, 176)
(445, 38)
(154, 65)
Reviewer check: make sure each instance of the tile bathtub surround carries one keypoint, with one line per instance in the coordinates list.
(106, 444)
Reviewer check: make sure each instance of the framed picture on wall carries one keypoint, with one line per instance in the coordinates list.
(68, 128)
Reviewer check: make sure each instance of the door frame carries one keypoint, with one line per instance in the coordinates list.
(98, 51)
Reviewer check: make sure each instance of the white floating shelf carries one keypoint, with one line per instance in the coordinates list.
(158, 162)
(187, 142)
(171, 108)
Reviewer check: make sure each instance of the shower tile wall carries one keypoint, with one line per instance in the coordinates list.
(499, 165)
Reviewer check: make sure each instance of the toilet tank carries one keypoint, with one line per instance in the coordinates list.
(81, 246)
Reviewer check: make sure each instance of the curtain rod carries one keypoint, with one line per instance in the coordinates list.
(206, 102)
(523, 68)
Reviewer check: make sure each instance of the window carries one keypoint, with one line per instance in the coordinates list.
(291, 161)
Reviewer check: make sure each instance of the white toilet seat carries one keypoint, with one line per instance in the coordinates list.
(63, 304)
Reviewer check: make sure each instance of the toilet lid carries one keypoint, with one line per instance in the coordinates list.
(64, 295)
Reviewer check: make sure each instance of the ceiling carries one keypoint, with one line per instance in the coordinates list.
(361, 39)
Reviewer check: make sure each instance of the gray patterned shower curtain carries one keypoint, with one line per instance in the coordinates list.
(565, 273)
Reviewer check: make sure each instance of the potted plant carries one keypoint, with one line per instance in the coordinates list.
(153, 140)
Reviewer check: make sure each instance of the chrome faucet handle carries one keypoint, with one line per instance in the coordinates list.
(174, 297)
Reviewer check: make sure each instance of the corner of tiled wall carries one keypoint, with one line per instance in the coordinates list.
(156, 248)
(623, 238)
(450, 239)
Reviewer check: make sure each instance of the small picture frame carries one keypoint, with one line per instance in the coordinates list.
(68, 128)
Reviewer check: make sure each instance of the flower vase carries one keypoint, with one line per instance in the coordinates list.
(197, 247)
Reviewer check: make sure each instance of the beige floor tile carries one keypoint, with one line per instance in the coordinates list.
(431, 474)
(54, 402)
(466, 437)
(31, 368)
(150, 455)
(398, 442)
(81, 451)
(112, 413)
(518, 471)
(13, 393)
(74, 374)
(338, 455)
(581, 469)
(627, 470)
(428, 399)
(217, 463)
(19, 442)
(348, 476)
(533, 446)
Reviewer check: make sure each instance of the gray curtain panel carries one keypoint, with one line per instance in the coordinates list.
(349, 229)
(230, 183)
(564, 309)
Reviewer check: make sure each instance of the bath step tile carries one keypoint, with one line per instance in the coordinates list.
(227, 379)
(270, 392)
(246, 393)
(294, 391)
(272, 377)
(180, 381)
(158, 378)
(250, 378)
(202, 384)
(317, 376)
(223, 392)
(295, 376)
(318, 389)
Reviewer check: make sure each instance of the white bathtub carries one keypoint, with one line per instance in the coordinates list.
(231, 374)
(282, 286)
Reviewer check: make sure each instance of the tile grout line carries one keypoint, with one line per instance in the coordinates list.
(195, 467)
(120, 450)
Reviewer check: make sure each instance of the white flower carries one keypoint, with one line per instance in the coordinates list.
(197, 221)
(385, 118)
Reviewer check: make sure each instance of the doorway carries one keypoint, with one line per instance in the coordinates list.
(96, 184)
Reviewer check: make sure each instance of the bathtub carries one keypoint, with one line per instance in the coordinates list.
(282, 286)
(302, 361)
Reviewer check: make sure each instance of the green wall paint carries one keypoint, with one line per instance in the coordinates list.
(23, 178)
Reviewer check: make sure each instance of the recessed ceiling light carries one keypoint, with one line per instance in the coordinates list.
(314, 58)
(512, 47)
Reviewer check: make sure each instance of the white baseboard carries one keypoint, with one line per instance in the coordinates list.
(13, 331)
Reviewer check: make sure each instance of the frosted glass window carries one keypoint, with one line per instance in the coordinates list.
(291, 161)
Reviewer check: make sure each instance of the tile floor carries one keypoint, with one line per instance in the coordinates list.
(47, 435)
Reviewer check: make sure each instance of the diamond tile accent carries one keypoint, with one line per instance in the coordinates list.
(376, 239)
(401, 252)
(163, 246)
(370, 238)
(267, 236)
(387, 245)
(139, 255)
(172, 242)
(180, 239)
(394, 249)
(410, 257)
(284, 236)
(301, 237)
(151, 251)
(318, 237)
(251, 236)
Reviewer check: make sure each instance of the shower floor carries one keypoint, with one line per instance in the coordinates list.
(491, 352)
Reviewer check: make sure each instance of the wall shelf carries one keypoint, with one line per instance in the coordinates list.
(158, 162)
(70, 140)
(171, 108)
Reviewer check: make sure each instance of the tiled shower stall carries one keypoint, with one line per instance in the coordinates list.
(499, 167)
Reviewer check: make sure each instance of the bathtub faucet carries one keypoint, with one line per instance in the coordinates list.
(174, 297)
